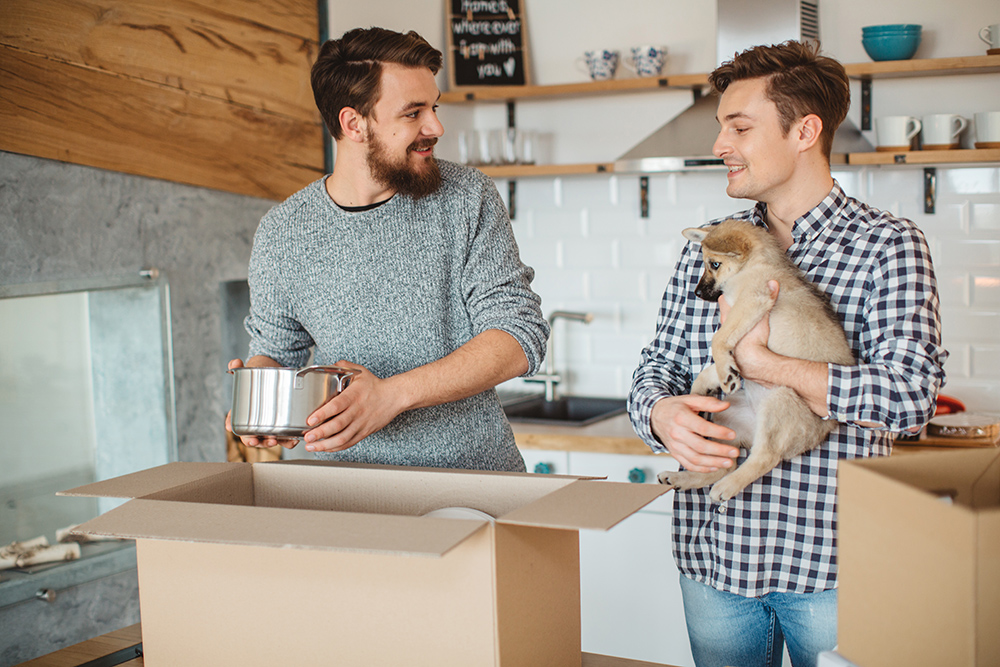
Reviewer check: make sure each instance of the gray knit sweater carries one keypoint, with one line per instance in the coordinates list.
(392, 289)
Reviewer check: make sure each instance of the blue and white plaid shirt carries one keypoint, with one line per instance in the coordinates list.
(780, 533)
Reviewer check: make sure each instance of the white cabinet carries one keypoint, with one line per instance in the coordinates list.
(546, 461)
(629, 592)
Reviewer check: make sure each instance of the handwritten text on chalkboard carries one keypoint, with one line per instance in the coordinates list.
(487, 42)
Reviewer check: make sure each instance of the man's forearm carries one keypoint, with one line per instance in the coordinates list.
(490, 358)
(808, 379)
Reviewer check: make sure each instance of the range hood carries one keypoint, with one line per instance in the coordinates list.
(685, 143)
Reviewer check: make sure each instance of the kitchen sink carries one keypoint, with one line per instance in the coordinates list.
(566, 410)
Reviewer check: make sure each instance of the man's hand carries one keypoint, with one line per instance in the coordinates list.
(676, 422)
(367, 405)
(249, 440)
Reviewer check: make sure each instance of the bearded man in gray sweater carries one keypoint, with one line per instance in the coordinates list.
(398, 266)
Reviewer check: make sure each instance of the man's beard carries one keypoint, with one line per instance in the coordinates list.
(401, 176)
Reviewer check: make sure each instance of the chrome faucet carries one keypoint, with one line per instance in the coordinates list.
(550, 378)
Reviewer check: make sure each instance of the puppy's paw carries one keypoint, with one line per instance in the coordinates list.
(664, 477)
(681, 480)
(729, 376)
(725, 489)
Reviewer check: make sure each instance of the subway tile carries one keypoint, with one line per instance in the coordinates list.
(556, 285)
(537, 192)
(958, 363)
(948, 220)
(985, 289)
(539, 254)
(973, 252)
(619, 285)
(986, 216)
(586, 191)
(650, 253)
(971, 180)
(969, 326)
(581, 253)
(602, 381)
(623, 350)
(986, 362)
(564, 223)
(953, 287)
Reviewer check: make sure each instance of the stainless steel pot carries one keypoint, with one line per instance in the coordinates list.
(269, 401)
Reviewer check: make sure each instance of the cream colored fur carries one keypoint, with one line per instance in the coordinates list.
(775, 424)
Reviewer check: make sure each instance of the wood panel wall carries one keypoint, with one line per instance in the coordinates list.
(213, 93)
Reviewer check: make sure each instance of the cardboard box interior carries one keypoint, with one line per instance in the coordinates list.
(347, 547)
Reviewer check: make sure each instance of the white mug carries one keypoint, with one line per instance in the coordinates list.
(988, 129)
(991, 35)
(646, 60)
(896, 132)
(941, 130)
(600, 64)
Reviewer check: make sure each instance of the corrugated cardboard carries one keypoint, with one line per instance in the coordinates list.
(338, 565)
(919, 560)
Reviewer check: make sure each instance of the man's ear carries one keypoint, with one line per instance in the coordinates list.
(810, 129)
(352, 124)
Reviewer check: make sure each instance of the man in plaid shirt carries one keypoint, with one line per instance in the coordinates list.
(760, 569)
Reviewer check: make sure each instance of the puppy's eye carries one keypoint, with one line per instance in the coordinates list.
(715, 265)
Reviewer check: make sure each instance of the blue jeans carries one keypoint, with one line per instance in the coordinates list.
(729, 629)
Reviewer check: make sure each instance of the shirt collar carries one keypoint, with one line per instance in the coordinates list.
(813, 222)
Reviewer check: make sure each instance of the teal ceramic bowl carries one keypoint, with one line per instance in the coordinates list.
(873, 30)
(899, 46)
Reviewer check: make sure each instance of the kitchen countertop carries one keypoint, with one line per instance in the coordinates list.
(615, 436)
(610, 436)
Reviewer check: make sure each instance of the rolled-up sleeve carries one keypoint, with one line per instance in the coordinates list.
(497, 285)
(665, 364)
(901, 365)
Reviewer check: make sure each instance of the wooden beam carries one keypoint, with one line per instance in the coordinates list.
(255, 54)
(91, 117)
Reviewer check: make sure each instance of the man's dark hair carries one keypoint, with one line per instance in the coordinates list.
(799, 82)
(348, 71)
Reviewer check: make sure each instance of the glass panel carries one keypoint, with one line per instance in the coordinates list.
(86, 393)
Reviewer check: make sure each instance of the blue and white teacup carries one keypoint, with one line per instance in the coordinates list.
(601, 64)
(646, 60)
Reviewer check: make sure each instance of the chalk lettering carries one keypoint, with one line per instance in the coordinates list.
(485, 6)
(501, 47)
(466, 27)
(488, 69)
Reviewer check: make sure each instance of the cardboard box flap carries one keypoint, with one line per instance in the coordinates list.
(150, 481)
(593, 505)
(971, 478)
(280, 527)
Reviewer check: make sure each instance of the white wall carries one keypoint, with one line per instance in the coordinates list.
(592, 251)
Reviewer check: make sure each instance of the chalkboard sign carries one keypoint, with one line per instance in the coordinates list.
(487, 43)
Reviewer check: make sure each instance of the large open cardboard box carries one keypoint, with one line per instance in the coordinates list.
(919, 559)
(309, 563)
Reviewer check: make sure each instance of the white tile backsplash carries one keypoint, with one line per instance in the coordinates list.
(592, 251)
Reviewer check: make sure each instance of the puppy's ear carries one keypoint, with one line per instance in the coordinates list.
(694, 234)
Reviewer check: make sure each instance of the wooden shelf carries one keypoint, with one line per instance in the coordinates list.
(528, 170)
(900, 69)
(926, 157)
(962, 156)
(615, 86)
(986, 64)
(893, 69)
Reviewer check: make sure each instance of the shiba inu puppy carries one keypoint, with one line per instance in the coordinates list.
(774, 424)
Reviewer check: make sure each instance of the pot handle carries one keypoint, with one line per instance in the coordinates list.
(344, 374)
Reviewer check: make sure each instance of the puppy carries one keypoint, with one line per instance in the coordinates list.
(774, 424)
